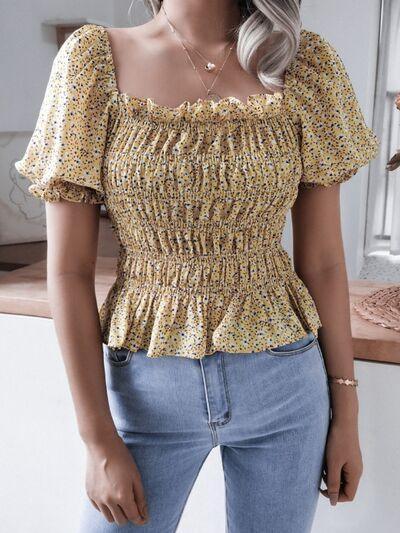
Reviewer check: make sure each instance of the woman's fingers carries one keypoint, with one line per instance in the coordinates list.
(140, 499)
(117, 513)
(94, 504)
(121, 513)
(121, 508)
(132, 510)
(342, 483)
(332, 479)
(351, 478)
(106, 512)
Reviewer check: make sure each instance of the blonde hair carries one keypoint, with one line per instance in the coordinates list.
(275, 23)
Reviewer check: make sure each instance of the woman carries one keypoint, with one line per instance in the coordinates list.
(198, 131)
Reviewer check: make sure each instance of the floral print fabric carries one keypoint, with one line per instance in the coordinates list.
(197, 194)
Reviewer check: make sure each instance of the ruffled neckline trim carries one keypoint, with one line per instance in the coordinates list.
(257, 106)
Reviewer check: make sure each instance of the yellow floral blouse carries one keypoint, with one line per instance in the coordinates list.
(198, 194)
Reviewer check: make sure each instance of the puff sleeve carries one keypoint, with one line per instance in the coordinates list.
(65, 153)
(334, 138)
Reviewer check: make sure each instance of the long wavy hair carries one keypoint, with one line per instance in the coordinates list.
(273, 24)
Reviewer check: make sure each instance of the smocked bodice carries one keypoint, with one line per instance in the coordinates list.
(199, 187)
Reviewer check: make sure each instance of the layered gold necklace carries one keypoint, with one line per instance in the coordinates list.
(210, 66)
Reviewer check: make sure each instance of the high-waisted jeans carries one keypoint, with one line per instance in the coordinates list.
(269, 412)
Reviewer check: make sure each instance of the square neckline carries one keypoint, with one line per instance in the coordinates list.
(147, 100)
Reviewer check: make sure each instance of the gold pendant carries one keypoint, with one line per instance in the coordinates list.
(213, 96)
(210, 67)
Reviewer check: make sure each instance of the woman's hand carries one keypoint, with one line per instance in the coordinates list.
(113, 482)
(343, 461)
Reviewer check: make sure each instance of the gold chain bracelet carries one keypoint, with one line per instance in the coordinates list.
(343, 381)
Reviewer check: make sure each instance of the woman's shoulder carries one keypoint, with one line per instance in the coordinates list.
(310, 38)
(84, 45)
(315, 53)
(85, 59)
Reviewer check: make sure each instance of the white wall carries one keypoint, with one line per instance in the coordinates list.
(138, 15)
(27, 49)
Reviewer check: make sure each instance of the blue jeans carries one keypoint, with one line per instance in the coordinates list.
(269, 413)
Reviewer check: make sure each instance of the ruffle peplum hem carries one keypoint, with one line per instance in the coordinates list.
(184, 318)
(194, 326)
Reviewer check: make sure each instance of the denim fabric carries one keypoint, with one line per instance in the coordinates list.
(268, 412)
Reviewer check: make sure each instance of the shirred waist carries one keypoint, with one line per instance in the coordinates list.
(203, 273)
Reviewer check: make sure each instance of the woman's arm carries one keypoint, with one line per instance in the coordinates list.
(319, 261)
(72, 236)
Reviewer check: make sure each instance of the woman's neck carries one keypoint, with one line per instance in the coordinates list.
(202, 21)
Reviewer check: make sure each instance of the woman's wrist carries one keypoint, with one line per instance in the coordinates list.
(344, 403)
(96, 435)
